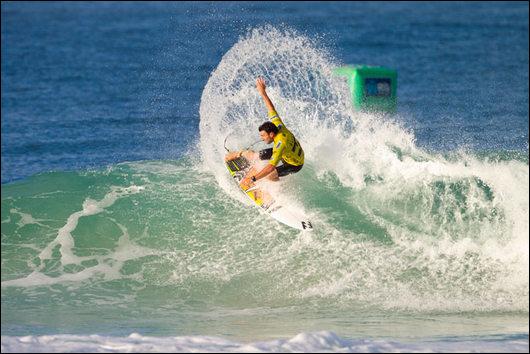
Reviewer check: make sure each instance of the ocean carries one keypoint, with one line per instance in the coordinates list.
(123, 231)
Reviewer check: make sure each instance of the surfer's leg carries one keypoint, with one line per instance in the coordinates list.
(250, 155)
(285, 169)
(273, 176)
(253, 170)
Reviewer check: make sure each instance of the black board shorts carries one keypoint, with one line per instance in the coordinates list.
(284, 169)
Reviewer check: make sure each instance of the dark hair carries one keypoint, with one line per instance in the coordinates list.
(269, 127)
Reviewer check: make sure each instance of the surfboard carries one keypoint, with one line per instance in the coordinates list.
(238, 168)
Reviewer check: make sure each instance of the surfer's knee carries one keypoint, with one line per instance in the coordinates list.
(273, 176)
(250, 155)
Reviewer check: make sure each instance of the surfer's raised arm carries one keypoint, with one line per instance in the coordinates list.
(286, 149)
(260, 85)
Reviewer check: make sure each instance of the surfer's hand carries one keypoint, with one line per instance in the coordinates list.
(232, 155)
(245, 183)
(260, 85)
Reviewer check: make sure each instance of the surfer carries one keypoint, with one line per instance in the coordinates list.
(285, 149)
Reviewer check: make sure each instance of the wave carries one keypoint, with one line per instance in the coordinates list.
(396, 227)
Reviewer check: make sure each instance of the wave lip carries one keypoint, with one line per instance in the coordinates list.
(323, 341)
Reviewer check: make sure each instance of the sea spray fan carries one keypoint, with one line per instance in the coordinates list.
(441, 234)
(312, 101)
(299, 80)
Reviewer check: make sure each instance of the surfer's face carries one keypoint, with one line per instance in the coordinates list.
(266, 137)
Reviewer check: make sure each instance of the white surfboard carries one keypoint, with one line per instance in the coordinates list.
(238, 169)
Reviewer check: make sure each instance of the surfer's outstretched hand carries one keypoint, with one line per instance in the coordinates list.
(260, 85)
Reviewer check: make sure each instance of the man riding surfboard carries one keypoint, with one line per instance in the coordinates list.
(285, 149)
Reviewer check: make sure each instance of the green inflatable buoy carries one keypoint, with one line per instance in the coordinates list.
(373, 88)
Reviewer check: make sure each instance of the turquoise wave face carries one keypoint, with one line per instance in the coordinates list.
(161, 240)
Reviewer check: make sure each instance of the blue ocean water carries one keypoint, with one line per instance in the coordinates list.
(90, 84)
(119, 219)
